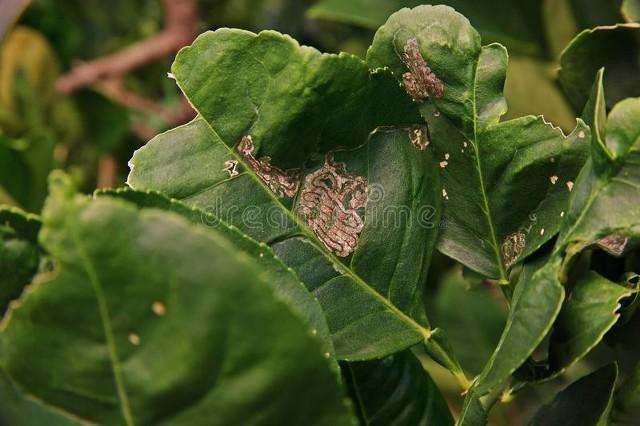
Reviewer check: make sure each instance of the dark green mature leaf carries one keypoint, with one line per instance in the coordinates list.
(148, 319)
(284, 282)
(626, 404)
(604, 205)
(18, 409)
(586, 402)
(588, 313)
(396, 391)
(506, 185)
(263, 99)
(536, 303)
(613, 47)
(19, 253)
(518, 25)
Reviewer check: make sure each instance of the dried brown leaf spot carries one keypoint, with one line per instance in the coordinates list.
(283, 183)
(328, 204)
(512, 247)
(614, 244)
(420, 82)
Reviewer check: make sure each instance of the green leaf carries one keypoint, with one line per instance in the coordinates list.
(518, 25)
(603, 203)
(591, 309)
(275, 117)
(613, 47)
(626, 404)
(537, 300)
(396, 391)
(586, 402)
(19, 253)
(18, 409)
(284, 282)
(164, 322)
(488, 167)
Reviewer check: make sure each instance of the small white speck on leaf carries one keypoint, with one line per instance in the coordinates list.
(553, 160)
(444, 164)
(561, 214)
(134, 339)
(261, 255)
(553, 179)
(446, 156)
(444, 194)
(542, 231)
(436, 114)
(158, 308)
(327, 355)
(171, 76)
(569, 185)
(464, 144)
(581, 134)
(314, 331)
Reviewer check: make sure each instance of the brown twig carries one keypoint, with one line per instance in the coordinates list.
(181, 20)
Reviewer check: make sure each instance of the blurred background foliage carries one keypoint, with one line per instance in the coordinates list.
(92, 130)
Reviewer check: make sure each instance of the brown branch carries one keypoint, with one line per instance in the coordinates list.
(181, 20)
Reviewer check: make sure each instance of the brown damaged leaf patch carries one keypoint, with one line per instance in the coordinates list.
(283, 183)
(328, 204)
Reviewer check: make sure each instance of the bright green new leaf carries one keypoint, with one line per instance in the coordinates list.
(506, 184)
(148, 319)
(396, 391)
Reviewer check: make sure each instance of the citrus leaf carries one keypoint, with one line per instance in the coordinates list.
(396, 391)
(603, 208)
(284, 282)
(147, 306)
(591, 309)
(506, 184)
(518, 25)
(590, 396)
(626, 404)
(536, 303)
(614, 47)
(276, 119)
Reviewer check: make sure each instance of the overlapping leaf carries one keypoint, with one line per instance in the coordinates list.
(149, 319)
(506, 185)
(614, 47)
(396, 391)
(586, 402)
(310, 111)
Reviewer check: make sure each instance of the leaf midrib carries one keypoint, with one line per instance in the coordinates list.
(425, 332)
(487, 212)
